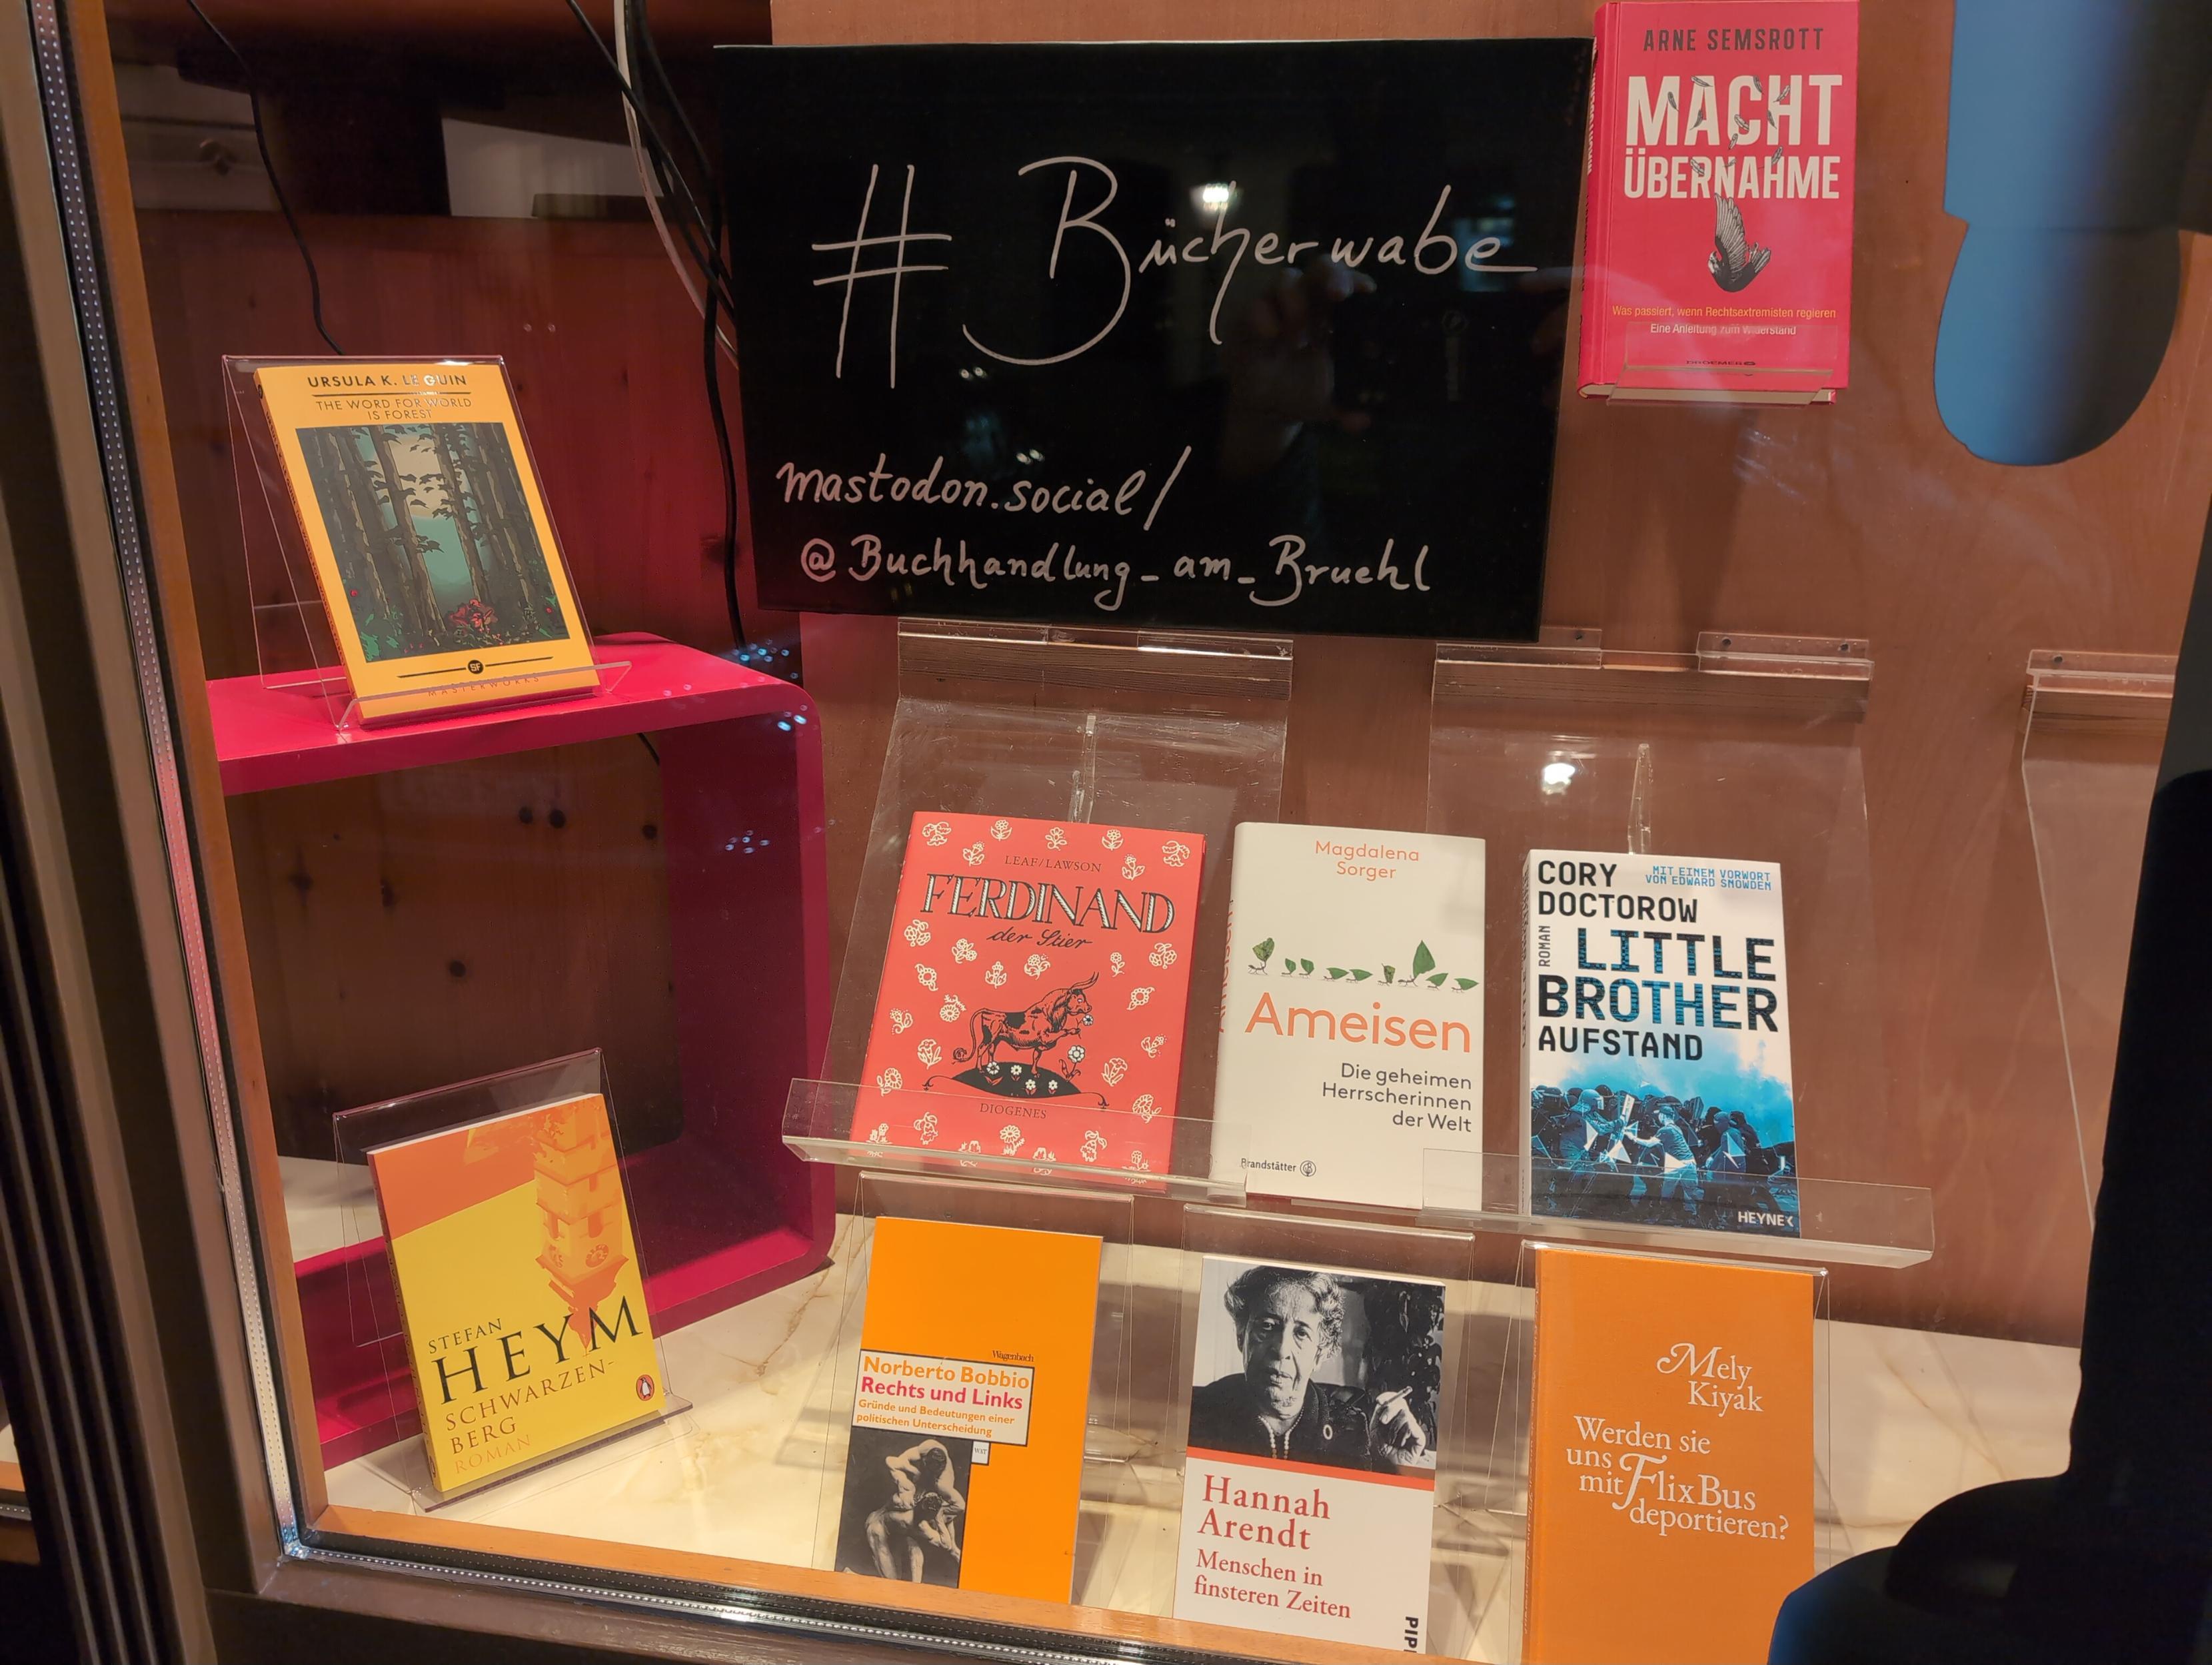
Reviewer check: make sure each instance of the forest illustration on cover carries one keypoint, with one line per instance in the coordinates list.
(433, 537)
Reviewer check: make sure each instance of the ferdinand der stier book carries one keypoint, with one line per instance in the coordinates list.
(1718, 249)
(427, 532)
(1036, 971)
(972, 1394)
(1656, 1042)
(1670, 1443)
(519, 1291)
(1352, 1022)
(1309, 1485)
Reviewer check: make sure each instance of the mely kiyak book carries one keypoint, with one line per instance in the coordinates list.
(1310, 1487)
(1656, 1042)
(519, 1292)
(1351, 1018)
(1036, 971)
(966, 1460)
(427, 532)
(1671, 1432)
(1718, 247)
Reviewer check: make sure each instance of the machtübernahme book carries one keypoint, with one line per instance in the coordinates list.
(1656, 1042)
(974, 1389)
(1033, 991)
(1351, 1016)
(1308, 1495)
(1718, 247)
(427, 532)
(519, 1292)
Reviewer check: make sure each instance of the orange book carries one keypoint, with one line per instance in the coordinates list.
(519, 1291)
(1670, 1451)
(974, 1389)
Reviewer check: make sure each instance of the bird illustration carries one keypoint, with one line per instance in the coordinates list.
(1735, 259)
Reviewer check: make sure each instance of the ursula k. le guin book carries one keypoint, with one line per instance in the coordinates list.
(1656, 1042)
(1352, 1019)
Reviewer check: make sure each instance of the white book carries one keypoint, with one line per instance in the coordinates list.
(1655, 1042)
(1352, 1015)
(1310, 1487)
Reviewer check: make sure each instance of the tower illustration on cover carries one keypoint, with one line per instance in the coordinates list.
(578, 1190)
(1035, 980)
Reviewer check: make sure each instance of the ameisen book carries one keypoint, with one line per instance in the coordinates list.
(1310, 1487)
(973, 1390)
(1671, 1431)
(1036, 971)
(1351, 1017)
(1656, 1042)
(519, 1291)
(1718, 244)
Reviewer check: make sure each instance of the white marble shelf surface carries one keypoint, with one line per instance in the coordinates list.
(1914, 1417)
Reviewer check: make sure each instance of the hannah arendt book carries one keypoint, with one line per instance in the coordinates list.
(1718, 248)
(1656, 1042)
(1670, 1446)
(1036, 971)
(1310, 1487)
(973, 1392)
(427, 532)
(1351, 1018)
(519, 1290)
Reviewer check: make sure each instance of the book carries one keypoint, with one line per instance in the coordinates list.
(1718, 249)
(1037, 973)
(1670, 1436)
(521, 1298)
(1352, 1015)
(1309, 1484)
(1656, 1042)
(427, 532)
(968, 1410)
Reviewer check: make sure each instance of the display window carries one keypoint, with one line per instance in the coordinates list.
(844, 834)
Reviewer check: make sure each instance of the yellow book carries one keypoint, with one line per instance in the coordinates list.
(966, 1459)
(519, 1290)
(1670, 1454)
(427, 532)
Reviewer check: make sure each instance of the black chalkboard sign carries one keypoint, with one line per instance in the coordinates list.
(1254, 335)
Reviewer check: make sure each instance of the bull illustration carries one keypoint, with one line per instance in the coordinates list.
(1060, 1016)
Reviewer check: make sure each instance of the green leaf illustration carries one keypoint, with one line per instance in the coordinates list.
(1389, 974)
(1424, 961)
(1262, 952)
(1336, 972)
(1361, 977)
(1308, 965)
(1464, 982)
(1438, 981)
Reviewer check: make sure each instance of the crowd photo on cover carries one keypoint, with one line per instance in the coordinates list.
(1655, 1159)
(1303, 1364)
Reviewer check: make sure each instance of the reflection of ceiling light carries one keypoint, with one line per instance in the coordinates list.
(1556, 775)
(1214, 197)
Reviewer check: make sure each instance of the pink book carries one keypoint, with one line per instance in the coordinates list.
(1034, 991)
(1718, 250)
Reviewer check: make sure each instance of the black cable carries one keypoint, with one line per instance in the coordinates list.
(722, 444)
(276, 185)
(650, 54)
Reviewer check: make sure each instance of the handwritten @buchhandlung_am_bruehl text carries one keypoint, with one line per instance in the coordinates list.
(1284, 573)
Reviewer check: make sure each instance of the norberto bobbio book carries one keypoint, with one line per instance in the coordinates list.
(1656, 1042)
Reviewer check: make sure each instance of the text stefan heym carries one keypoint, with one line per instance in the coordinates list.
(1708, 997)
(491, 1417)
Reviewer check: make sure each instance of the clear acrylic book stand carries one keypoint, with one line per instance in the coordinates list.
(1749, 747)
(1157, 728)
(293, 631)
(2092, 726)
